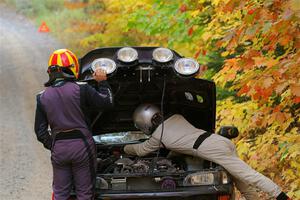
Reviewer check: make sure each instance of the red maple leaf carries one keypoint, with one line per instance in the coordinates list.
(197, 54)
(190, 31)
(296, 100)
(251, 11)
(245, 89)
(183, 8)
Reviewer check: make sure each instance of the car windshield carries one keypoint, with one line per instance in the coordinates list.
(120, 137)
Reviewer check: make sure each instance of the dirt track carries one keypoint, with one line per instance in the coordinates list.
(25, 169)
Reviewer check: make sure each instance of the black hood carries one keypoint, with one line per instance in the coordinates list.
(143, 82)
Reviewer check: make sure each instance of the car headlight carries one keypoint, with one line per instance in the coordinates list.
(127, 54)
(104, 63)
(186, 66)
(162, 55)
(199, 178)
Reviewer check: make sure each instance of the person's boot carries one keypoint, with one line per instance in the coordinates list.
(283, 196)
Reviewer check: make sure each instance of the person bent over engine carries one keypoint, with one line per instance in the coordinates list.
(182, 137)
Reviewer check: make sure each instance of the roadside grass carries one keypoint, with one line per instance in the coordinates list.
(60, 20)
(63, 26)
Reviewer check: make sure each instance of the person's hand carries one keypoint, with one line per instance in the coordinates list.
(99, 75)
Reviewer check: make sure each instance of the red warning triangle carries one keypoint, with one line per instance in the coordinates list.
(44, 28)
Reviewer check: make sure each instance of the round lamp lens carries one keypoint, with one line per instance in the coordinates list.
(186, 66)
(104, 63)
(127, 54)
(162, 55)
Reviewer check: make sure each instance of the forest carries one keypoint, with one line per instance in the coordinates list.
(249, 48)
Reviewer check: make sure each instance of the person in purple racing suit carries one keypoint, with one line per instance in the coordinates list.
(62, 126)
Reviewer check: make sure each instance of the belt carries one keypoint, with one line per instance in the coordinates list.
(200, 139)
(73, 134)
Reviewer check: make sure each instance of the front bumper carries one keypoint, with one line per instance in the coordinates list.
(199, 192)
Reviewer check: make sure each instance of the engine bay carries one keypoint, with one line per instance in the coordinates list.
(130, 166)
(159, 171)
(112, 161)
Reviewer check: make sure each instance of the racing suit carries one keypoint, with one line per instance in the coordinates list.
(180, 136)
(63, 106)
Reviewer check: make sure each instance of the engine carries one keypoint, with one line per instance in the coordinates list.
(118, 171)
(112, 161)
(143, 166)
(126, 165)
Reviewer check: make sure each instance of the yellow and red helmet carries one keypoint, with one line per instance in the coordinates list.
(65, 60)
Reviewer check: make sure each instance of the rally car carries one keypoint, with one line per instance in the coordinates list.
(162, 77)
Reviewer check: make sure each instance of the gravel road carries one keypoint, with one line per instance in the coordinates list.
(25, 169)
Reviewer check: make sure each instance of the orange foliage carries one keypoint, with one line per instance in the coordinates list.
(74, 5)
(88, 27)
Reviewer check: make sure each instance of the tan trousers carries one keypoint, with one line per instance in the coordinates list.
(222, 151)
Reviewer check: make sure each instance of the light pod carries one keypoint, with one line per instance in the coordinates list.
(162, 55)
(127, 55)
(186, 66)
(104, 63)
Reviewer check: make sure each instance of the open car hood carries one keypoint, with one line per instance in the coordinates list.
(143, 82)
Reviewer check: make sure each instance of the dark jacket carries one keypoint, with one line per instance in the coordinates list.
(63, 105)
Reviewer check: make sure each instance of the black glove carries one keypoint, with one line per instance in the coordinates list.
(48, 142)
(122, 150)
